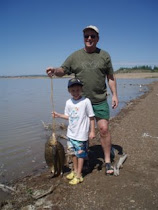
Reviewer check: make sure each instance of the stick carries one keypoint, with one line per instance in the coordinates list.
(119, 165)
(49, 191)
(6, 188)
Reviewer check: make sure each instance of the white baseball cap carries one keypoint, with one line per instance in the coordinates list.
(91, 27)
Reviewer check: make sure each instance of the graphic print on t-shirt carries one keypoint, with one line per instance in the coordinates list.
(74, 117)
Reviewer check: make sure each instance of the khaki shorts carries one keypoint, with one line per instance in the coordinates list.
(102, 110)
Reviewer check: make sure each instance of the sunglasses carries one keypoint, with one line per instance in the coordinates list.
(87, 36)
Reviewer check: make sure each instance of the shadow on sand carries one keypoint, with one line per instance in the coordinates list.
(96, 158)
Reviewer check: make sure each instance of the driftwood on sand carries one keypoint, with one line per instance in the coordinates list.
(6, 188)
(119, 164)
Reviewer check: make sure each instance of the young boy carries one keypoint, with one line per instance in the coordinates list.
(79, 112)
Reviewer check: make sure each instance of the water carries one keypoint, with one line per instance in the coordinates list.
(24, 103)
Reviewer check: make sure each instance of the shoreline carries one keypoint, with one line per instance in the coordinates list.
(136, 75)
(134, 130)
(118, 75)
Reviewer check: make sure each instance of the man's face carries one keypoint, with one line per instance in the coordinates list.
(90, 38)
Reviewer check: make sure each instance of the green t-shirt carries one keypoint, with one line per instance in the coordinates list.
(91, 69)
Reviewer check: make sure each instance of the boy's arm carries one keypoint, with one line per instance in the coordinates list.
(59, 115)
(92, 128)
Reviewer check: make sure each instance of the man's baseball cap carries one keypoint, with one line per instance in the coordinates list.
(74, 81)
(93, 28)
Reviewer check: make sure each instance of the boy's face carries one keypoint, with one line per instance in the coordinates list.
(75, 91)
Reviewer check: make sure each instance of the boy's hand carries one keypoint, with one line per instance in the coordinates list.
(55, 114)
(92, 135)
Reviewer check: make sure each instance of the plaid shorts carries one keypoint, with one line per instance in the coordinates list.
(77, 148)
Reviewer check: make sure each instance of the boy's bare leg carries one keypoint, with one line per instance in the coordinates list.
(80, 167)
(75, 163)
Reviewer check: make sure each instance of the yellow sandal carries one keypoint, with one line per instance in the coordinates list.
(76, 180)
(71, 175)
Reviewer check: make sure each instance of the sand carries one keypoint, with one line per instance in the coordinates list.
(135, 132)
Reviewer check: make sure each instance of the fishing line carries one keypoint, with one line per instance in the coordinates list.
(52, 101)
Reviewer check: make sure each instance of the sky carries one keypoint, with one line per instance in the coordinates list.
(36, 34)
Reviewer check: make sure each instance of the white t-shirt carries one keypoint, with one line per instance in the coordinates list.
(79, 112)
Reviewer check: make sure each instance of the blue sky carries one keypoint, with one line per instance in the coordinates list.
(36, 34)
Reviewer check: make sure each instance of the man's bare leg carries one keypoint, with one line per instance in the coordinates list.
(105, 139)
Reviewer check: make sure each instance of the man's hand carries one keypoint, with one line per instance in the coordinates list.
(114, 102)
(50, 71)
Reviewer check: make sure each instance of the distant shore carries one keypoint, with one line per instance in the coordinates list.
(118, 75)
(137, 75)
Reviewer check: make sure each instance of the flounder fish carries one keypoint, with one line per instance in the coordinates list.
(55, 155)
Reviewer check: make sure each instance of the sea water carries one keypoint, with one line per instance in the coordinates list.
(24, 104)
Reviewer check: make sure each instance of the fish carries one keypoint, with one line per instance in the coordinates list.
(55, 155)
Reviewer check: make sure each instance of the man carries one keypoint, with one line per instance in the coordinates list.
(92, 66)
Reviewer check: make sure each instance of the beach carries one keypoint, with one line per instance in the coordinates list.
(134, 131)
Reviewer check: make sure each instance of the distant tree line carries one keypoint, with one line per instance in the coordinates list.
(144, 68)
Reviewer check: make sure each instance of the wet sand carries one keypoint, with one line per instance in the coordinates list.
(135, 132)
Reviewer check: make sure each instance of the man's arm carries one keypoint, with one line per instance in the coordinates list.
(59, 72)
(113, 87)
